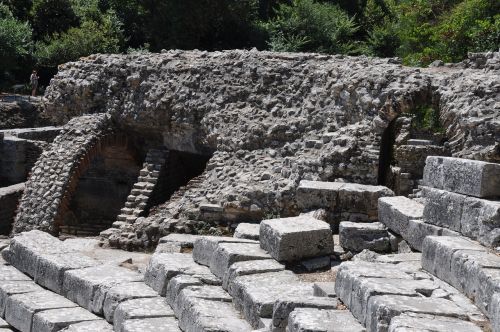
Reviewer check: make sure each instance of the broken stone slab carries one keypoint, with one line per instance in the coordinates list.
(90, 326)
(228, 253)
(463, 176)
(8, 288)
(20, 308)
(357, 237)
(50, 268)
(164, 266)
(396, 212)
(255, 294)
(25, 248)
(88, 286)
(176, 243)
(161, 324)
(154, 307)
(247, 231)
(421, 322)
(57, 319)
(317, 320)
(296, 238)
(205, 246)
(285, 305)
(324, 289)
(250, 267)
(199, 314)
(382, 309)
(122, 292)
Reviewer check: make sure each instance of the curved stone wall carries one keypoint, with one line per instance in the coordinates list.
(55, 175)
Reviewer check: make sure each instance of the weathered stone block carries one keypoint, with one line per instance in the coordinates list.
(164, 266)
(250, 267)
(247, 231)
(57, 319)
(443, 208)
(418, 230)
(141, 309)
(324, 289)
(21, 308)
(205, 246)
(422, 322)
(90, 326)
(381, 309)
(178, 283)
(285, 305)
(185, 296)
(9, 288)
(161, 324)
(88, 287)
(228, 253)
(317, 194)
(296, 238)
(122, 292)
(494, 312)
(316, 320)
(176, 242)
(357, 237)
(463, 176)
(396, 212)
(481, 221)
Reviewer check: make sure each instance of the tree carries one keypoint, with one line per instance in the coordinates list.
(15, 41)
(20, 8)
(307, 25)
(52, 16)
(90, 38)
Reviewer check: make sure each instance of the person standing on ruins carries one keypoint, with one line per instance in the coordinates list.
(34, 82)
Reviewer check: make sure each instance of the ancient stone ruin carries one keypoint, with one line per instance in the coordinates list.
(253, 191)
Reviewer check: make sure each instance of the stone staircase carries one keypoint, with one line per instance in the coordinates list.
(137, 200)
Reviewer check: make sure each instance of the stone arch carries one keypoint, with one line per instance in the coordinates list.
(55, 175)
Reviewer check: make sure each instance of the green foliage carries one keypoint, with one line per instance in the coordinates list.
(306, 25)
(426, 118)
(15, 40)
(19, 8)
(91, 37)
(52, 16)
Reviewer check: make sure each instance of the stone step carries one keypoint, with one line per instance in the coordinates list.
(463, 176)
(356, 237)
(384, 292)
(318, 320)
(345, 198)
(247, 231)
(84, 289)
(469, 267)
(476, 218)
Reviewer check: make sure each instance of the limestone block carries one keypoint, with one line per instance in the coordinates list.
(463, 176)
(381, 309)
(164, 266)
(205, 246)
(57, 319)
(161, 324)
(481, 221)
(178, 283)
(122, 292)
(317, 194)
(296, 238)
(396, 212)
(201, 314)
(250, 267)
(247, 231)
(50, 268)
(88, 286)
(324, 289)
(140, 309)
(285, 305)
(255, 294)
(21, 308)
(25, 248)
(212, 293)
(176, 242)
(8, 288)
(494, 312)
(10, 273)
(443, 208)
(316, 320)
(228, 253)
(357, 237)
(421, 322)
(418, 230)
(90, 326)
